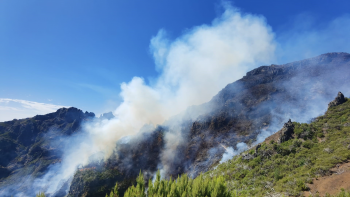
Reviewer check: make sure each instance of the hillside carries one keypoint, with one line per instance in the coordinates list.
(29, 146)
(299, 160)
(291, 165)
(259, 102)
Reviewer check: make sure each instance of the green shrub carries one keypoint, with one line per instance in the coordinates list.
(182, 186)
(40, 194)
(308, 144)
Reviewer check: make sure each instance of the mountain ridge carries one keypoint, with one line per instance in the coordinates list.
(261, 101)
(241, 110)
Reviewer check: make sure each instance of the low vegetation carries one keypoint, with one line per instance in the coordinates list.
(288, 167)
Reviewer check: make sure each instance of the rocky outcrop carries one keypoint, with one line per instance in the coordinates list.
(107, 116)
(340, 99)
(286, 133)
(247, 156)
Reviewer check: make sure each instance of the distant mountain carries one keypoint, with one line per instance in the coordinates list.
(107, 116)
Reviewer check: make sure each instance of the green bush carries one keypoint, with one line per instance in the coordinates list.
(181, 187)
(40, 194)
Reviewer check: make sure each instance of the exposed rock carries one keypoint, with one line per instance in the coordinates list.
(349, 147)
(107, 116)
(247, 156)
(328, 150)
(286, 133)
(340, 99)
(257, 148)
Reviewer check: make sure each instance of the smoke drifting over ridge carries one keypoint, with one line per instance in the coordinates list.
(193, 68)
(305, 37)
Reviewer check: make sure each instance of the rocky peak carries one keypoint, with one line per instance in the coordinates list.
(286, 132)
(340, 99)
(107, 116)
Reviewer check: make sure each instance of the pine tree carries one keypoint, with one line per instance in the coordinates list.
(114, 192)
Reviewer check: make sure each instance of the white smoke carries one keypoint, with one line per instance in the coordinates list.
(231, 152)
(193, 68)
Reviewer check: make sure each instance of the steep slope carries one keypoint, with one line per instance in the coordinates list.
(313, 155)
(299, 160)
(257, 104)
(262, 100)
(29, 146)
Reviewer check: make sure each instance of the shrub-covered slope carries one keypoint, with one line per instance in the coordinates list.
(289, 167)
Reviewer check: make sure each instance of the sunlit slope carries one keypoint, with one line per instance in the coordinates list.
(289, 167)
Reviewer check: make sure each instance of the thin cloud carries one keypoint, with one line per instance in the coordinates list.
(17, 109)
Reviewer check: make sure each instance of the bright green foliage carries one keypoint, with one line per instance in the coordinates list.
(40, 194)
(343, 193)
(181, 187)
(114, 192)
(139, 190)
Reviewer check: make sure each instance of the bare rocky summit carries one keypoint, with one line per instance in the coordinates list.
(286, 132)
(340, 99)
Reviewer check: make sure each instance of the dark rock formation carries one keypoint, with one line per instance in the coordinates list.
(340, 99)
(107, 116)
(286, 133)
(247, 156)
(257, 148)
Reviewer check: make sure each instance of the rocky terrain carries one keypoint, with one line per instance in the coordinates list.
(260, 102)
(29, 146)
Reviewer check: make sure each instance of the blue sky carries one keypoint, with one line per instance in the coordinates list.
(77, 53)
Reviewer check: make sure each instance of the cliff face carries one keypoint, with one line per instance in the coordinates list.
(26, 145)
(259, 102)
